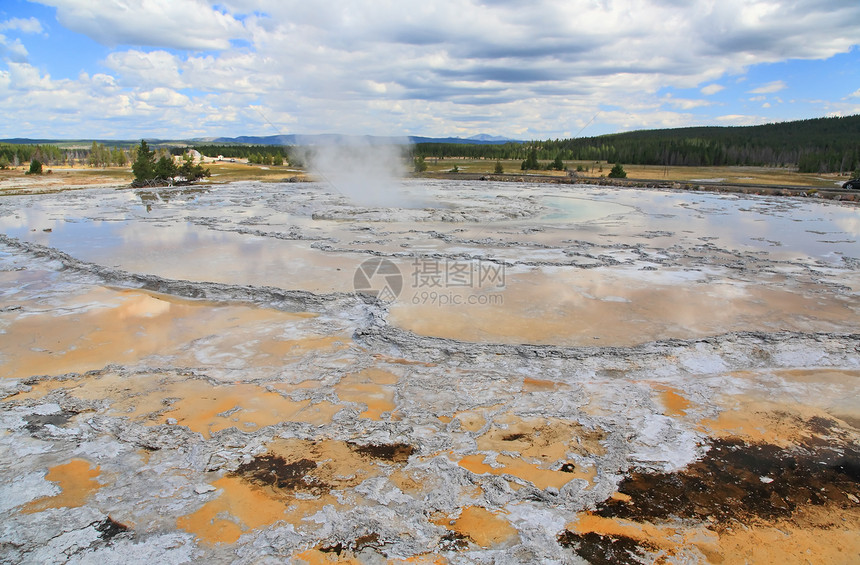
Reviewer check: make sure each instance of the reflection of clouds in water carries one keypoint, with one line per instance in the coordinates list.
(744, 221)
(63, 222)
(727, 290)
(173, 234)
(849, 224)
(142, 306)
(34, 217)
(173, 241)
(186, 251)
(568, 208)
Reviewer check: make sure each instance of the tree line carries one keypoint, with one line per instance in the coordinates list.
(258, 154)
(14, 155)
(822, 145)
(98, 155)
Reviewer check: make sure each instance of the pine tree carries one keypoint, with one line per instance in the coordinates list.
(617, 172)
(165, 169)
(419, 164)
(531, 162)
(144, 164)
(35, 167)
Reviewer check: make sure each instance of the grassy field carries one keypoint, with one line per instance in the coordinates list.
(228, 172)
(741, 175)
(14, 181)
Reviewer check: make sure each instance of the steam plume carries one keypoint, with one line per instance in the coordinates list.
(366, 171)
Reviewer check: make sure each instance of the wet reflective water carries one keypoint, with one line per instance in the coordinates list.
(560, 259)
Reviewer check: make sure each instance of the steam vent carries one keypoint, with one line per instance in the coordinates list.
(465, 372)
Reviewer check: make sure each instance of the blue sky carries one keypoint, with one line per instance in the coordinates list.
(125, 69)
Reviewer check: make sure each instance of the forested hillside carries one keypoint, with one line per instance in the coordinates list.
(814, 146)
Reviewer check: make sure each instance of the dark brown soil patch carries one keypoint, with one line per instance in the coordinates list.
(736, 481)
(599, 549)
(337, 549)
(109, 529)
(395, 452)
(454, 541)
(275, 471)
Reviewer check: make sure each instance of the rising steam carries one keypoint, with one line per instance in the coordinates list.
(367, 171)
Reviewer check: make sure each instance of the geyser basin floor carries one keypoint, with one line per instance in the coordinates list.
(499, 263)
(170, 394)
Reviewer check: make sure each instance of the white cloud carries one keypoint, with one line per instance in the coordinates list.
(163, 97)
(470, 56)
(26, 78)
(683, 103)
(855, 94)
(182, 24)
(362, 66)
(12, 50)
(770, 87)
(741, 120)
(139, 68)
(25, 25)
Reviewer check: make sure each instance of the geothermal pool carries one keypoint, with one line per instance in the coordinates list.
(529, 373)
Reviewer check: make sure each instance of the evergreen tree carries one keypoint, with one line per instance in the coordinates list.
(499, 168)
(531, 162)
(186, 169)
(191, 172)
(144, 164)
(35, 167)
(617, 172)
(118, 157)
(165, 169)
(100, 156)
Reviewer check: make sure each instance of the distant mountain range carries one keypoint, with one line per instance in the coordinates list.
(293, 139)
(290, 139)
(480, 139)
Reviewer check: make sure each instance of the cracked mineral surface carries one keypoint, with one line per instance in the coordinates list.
(528, 374)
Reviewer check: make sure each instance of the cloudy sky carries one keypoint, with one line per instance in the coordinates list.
(124, 69)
